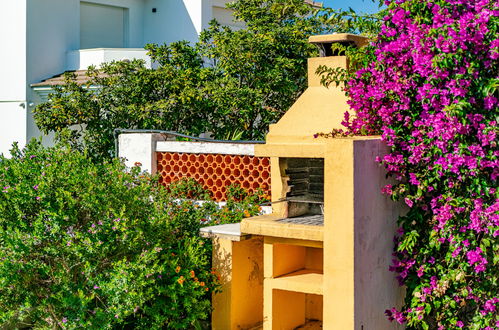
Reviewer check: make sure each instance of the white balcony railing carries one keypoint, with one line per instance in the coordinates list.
(83, 58)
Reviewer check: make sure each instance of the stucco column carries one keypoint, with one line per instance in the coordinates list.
(139, 148)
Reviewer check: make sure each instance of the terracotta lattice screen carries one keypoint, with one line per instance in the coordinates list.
(216, 172)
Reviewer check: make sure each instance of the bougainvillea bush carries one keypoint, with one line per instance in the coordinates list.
(432, 92)
(87, 245)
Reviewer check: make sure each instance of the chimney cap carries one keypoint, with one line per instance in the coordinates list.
(358, 40)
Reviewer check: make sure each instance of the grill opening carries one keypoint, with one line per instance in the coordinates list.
(305, 181)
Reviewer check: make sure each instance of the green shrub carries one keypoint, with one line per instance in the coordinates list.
(85, 245)
(88, 245)
(240, 204)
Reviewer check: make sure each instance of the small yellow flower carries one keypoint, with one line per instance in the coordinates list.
(201, 283)
(181, 280)
(177, 269)
(246, 213)
(192, 274)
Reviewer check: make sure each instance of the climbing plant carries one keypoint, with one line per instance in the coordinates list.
(431, 90)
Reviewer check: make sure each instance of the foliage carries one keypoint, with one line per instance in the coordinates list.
(129, 96)
(432, 92)
(239, 205)
(233, 83)
(88, 245)
(261, 69)
(348, 21)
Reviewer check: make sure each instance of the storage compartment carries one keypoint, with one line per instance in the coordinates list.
(289, 258)
(294, 310)
(294, 280)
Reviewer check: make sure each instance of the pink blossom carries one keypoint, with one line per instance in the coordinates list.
(409, 202)
(475, 258)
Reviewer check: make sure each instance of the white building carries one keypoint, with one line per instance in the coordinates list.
(44, 38)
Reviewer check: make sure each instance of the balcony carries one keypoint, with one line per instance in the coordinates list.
(83, 58)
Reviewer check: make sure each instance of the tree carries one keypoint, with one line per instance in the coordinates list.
(260, 70)
(129, 96)
(233, 83)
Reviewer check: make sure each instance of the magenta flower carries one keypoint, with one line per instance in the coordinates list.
(409, 202)
(420, 271)
(393, 314)
(475, 258)
(429, 94)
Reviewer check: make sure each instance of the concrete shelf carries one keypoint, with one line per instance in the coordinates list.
(304, 280)
(270, 226)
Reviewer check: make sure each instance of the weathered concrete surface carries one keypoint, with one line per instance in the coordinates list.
(139, 148)
(207, 148)
(358, 238)
(239, 305)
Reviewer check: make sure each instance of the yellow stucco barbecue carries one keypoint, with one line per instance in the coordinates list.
(320, 260)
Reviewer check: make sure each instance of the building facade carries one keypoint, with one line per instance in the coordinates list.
(44, 38)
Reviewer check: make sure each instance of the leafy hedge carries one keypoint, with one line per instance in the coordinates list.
(86, 245)
(432, 92)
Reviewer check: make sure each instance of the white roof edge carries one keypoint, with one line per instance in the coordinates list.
(100, 49)
(51, 87)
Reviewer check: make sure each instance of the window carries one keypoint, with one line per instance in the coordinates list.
(103, 26)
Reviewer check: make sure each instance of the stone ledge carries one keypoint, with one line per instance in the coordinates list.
(231, 231)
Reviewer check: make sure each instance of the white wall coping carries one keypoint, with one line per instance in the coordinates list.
(245, 149)
(265, 209)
